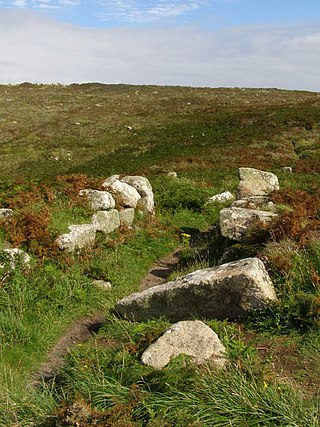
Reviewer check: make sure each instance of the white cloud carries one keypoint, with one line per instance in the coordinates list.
(41, 50)
(69, 2)
(19, 3)
(146, 11)
(41, 4)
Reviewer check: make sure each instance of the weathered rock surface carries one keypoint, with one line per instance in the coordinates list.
(6, 213)
(235, 223)
(99, 200)
(126, 217)
(254, 182)
(124, 194)
(255, 202)
(12, 257)
(143, 186)
(222, 197)
(80, 236)
(109, 181)
(193, 338)
(106, 221)
(229, 291)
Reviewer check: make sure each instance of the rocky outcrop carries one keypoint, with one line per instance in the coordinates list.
(99, 200)
(193, 338)
(237, 223)
(79, 237)
(106, 221)
(254, 182)
(229, 291)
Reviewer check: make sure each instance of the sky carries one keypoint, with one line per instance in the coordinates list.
(201, 43)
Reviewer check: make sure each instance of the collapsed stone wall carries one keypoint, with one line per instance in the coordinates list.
(115, 207)
(229, 291)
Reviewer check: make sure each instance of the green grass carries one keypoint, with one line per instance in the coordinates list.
(51, 136)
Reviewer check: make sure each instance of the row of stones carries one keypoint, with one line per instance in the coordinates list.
(127, 194)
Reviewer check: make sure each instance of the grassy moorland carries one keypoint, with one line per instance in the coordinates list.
(56, 140)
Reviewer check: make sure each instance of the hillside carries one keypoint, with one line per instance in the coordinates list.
(56, 140)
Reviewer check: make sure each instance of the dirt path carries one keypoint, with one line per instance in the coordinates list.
(83, 329)
(160, 271)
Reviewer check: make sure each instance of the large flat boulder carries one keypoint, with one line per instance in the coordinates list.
(79, 237)
(236, 223)
(254, 182)
(229, 291)
(191, 337)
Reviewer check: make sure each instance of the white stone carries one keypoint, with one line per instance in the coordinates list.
(172, 174)
(254, 182)
(110, 180)
(124, 194)
(6, 213)
(80, 236)
(193, 338)
(101, 284)
(229, 291)
(222, 197)
(14, 256)
(235, 223)
(287, 169)
(144, 188)
(99, 200)
(255, 202)
(126, 217)
(106, 221)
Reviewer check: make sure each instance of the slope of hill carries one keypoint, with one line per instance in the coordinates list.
(56, 140)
